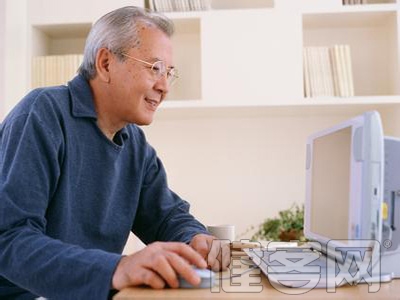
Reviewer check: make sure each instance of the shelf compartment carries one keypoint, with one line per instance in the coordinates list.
(187, 59)
(372, 36)
(55, 50)
(70, 39)
(248, 61)
(59, 39)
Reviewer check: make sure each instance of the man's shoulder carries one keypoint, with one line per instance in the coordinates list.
(49, 97)
(44, 106)
(43, 100)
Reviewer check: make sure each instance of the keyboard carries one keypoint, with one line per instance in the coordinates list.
(294, 267)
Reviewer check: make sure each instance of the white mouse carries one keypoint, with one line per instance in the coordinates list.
(207, 280)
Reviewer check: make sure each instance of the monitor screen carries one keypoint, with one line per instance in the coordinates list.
(330, 186)
(344, 181)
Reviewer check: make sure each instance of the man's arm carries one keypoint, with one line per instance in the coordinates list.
(29, 169)
(162, 215)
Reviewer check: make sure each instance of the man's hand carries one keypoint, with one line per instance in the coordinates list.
(216, 253)
(157, 265)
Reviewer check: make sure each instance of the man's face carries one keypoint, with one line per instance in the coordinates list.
(134, 89)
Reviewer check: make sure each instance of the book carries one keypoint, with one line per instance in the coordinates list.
(340, 71)
(206, 4)
(151, 5)
(334, 72)
(306, 74)
(314, 72)
(342, 51)
(349, 71)
(327, 71)
(156, 5)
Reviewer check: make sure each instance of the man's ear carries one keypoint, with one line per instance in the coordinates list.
(103, 60)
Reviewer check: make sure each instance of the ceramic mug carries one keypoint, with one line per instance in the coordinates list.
(223, 232)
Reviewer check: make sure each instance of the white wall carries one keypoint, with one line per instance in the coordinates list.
(2, 54)
(240, 165)
(236, 166)
(16, 43)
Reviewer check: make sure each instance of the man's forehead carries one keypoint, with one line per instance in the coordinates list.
(154, 44)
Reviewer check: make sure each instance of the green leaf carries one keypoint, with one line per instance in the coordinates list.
(289, 220)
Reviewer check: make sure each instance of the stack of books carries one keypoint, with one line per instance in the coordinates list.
(53, 70)
(179, 5)
(328, 71)
(352, 2)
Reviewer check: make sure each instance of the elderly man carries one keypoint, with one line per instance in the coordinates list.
(77, 175)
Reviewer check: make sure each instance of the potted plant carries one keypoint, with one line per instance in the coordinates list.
(288, 226)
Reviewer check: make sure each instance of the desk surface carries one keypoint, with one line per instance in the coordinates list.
(262, 289)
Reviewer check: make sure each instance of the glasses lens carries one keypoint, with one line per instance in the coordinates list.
(159, 69)
(172, 75)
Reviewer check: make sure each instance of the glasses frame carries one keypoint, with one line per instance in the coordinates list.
(171, 72)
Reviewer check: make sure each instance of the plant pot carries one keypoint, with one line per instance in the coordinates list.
(290, 235)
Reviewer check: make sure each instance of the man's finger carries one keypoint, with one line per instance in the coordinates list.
(183, 269)
(162, 266)
(215, 251)
(150, 278)
(226, 257)
(186, 252)
(202, 246)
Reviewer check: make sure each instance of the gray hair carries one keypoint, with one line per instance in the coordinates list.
(118, 31)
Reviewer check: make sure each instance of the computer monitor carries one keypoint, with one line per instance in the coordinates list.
(344, 181)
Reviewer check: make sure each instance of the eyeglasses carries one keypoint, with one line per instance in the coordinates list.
(159, 69)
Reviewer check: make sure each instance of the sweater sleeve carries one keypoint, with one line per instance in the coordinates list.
(30, 159)
(162, 215)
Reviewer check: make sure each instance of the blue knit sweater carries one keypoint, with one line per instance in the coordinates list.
(69, 197)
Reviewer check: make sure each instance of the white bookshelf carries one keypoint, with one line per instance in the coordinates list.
(232, 130)
(249, 52)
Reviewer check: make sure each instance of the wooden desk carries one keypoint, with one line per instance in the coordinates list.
(387, 291)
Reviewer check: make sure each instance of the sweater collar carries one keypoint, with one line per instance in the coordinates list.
(83, 103)
(82, 98)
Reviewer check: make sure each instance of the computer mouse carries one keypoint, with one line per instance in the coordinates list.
(207, 280)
